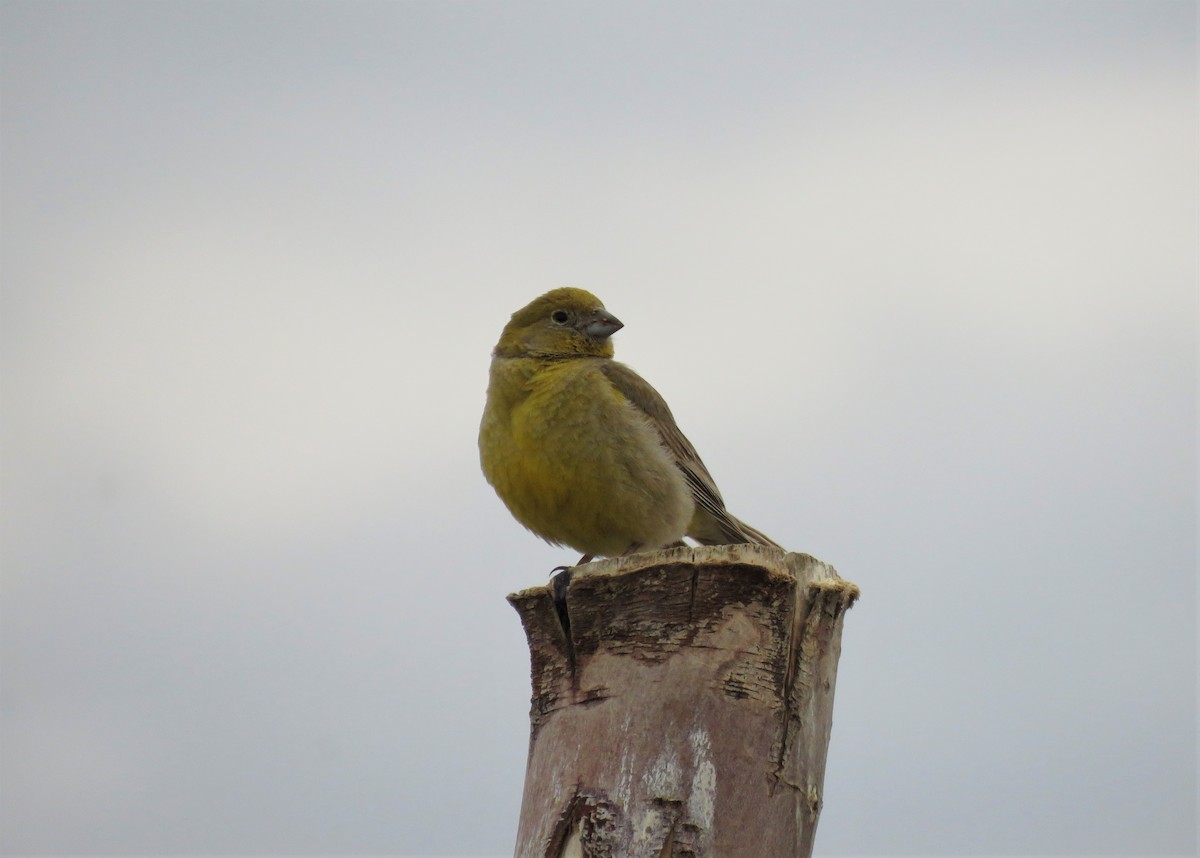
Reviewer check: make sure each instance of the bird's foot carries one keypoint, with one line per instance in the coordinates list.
(560, 581)
(559, 570)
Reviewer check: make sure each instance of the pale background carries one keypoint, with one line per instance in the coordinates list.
(918, 279)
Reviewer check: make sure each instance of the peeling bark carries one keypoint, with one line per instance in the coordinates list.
(682, 706)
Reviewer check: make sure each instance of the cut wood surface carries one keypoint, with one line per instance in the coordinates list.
(682, 703)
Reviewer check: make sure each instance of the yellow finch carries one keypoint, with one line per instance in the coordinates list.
(581, 449)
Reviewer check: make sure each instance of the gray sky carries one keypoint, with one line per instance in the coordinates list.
(918, 280)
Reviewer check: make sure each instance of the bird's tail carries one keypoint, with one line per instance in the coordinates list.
(755, 536)
(726, 529)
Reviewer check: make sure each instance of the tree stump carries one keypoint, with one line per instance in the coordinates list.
(682, 703)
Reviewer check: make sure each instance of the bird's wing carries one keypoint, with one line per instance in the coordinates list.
(639, 392)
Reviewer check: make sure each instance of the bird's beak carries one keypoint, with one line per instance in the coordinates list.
(600, 324)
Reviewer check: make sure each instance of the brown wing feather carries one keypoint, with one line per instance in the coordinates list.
(704, 489)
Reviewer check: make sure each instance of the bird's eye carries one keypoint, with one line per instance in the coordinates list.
(560, 317)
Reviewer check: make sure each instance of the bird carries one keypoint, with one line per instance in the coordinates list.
(582, 450)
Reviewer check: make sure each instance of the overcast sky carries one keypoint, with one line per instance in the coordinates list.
(919, 280)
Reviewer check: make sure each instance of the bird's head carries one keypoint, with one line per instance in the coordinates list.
(564, 322)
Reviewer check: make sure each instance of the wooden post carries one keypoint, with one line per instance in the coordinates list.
(682, 702)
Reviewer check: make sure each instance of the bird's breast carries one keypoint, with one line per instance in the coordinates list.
(577, 463)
